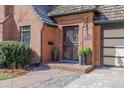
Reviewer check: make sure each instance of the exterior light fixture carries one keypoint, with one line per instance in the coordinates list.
(86, 29)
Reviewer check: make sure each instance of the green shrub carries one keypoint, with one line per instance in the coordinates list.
(81, 52)
(14, 54)
(87, 50)
(55, 51)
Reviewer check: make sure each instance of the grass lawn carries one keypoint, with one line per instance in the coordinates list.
(4, 76)
(9, 73)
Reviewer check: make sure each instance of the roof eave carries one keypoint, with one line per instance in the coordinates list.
(108, 21)
(51, 24)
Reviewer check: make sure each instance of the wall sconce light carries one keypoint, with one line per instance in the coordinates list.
(50, 42)
(86, 29)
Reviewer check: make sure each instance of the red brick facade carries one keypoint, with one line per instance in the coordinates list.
(94, 31)
(97, 44)
(41, 34)
(49, 34)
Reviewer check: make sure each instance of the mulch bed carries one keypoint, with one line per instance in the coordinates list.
(17, 72)
(11, 73)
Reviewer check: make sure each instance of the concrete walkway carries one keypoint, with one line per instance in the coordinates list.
(53, 78)
(34, 77)
(100, 78)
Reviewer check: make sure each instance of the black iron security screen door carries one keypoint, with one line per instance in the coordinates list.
(70, 43)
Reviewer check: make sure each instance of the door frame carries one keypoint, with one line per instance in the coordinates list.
(71, 60)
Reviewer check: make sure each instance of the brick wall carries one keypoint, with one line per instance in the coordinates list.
(49, 33)
(23, 16)
(88, 34)
(78, 19)
(97, 44)
(7, 28)
(6, 21)
(8, 10)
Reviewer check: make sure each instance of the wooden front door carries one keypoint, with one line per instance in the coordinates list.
(70, 43)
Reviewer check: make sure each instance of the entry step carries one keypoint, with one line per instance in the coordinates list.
(69, 61)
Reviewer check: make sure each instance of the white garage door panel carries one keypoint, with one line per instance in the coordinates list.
(113, 61)
(114, 42)
(109, 61)
(109, 51)
(114, 33)
(119, 52)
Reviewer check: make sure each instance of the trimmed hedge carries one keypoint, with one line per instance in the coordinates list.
(14, 54)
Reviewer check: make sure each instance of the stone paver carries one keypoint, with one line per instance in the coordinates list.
(100, 78)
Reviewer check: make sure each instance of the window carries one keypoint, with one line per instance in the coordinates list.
(25, 34)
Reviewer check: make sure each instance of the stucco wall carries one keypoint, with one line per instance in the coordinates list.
(23, 16)
(1, 32)
(2, 14)
(1, 19)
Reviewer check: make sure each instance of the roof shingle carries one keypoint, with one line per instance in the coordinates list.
(105, 12)
(70, 9)
(110, 13)
(42, 12)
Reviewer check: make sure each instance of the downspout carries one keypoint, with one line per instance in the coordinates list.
(41, 34)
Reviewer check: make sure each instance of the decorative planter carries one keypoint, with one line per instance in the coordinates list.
(87, 57)
(55, 53)
(81, 54)
(55, 58)
(81, 60)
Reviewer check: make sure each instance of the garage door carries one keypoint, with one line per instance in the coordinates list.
(113, 47)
